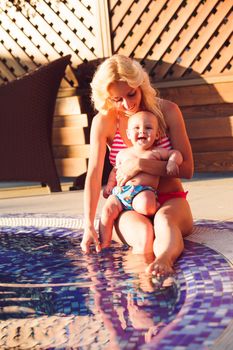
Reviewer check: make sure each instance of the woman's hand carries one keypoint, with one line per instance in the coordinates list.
(90, 236)
(126, 171)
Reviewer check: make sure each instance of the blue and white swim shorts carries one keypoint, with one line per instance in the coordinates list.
(126, 194)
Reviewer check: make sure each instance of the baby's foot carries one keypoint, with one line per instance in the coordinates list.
(161, 266)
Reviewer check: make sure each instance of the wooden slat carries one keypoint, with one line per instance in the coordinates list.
(66, 92)
(230, 68)
(200, 80)
(7, 72)
(12, 64)
(87, 3)
(213, 161)
(112, 4)
(121, 9)
(71, 166)
(68, 136)
(208, 111)
(213, 144)
(70, 76)
(67, 106)
(77, 121)
(204, 128)
(76, 151)
(199, 94)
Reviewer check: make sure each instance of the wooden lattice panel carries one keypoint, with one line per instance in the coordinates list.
(175, 39)
(41, 33)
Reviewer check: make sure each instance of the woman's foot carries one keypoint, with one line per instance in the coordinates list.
(161, 266)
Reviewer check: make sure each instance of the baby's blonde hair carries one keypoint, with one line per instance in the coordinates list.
(122, 68)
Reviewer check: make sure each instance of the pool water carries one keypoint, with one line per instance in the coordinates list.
(96, 301)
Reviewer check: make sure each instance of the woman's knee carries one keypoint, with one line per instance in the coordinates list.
(176, 217)
(137, 231)
(163, 219)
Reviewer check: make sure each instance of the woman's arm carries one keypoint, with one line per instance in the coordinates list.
(93, 181)
(180, 142)
(179, 138)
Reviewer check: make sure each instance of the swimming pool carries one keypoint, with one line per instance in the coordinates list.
(54, 297)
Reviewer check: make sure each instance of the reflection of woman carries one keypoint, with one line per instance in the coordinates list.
(131, 314)
(120, 88)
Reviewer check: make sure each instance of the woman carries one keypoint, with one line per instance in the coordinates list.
(120, 88)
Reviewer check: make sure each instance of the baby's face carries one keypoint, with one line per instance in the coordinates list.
(143, 129)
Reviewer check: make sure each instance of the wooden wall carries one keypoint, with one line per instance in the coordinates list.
(186, 47)
(208, 114)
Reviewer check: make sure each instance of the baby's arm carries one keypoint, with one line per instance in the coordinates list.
(174, 161)
(110, 184)
(173, 157)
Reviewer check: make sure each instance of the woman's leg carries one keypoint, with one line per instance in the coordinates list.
(172, 221)
(136, 230)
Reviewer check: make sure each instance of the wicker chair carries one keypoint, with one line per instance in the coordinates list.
(26, 117)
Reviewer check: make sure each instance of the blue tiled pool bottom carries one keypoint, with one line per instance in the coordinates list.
(66, 299)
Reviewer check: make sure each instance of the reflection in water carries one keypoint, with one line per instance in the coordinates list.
(111, 302)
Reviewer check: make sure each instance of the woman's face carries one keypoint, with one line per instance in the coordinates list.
(126, 98)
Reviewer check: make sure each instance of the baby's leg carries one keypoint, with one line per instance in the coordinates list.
(110, 212)
(145, 203)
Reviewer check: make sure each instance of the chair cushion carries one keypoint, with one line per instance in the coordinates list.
(26, 117)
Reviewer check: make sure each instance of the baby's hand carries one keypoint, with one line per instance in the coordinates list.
(172, 168)
(107, 191)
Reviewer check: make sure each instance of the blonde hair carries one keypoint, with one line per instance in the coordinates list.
(122, 68)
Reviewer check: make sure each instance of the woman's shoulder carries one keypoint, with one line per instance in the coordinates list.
(106, 120)
(168, 106)
(170, 110)
(103, 126)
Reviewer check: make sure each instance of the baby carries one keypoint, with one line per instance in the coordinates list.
(140, 192)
